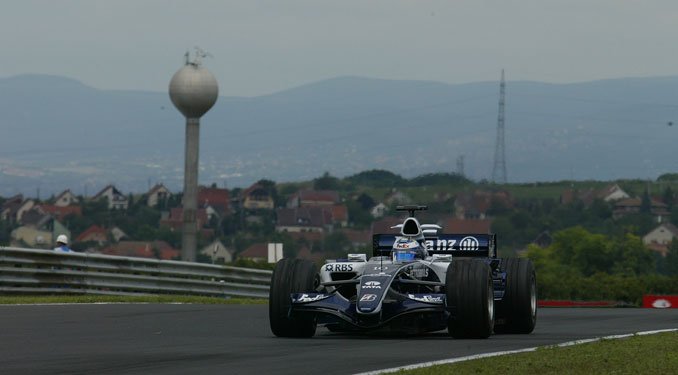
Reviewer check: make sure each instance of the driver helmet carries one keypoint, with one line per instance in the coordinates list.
(407, 250)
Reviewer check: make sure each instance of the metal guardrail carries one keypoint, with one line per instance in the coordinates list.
(31, 271)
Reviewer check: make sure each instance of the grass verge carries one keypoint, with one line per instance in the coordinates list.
(648, 354)
(15, 300)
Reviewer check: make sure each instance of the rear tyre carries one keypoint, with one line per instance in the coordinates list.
(291, 276)
(470, 299)
(517, 311)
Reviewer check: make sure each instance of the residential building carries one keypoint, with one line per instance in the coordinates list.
(378, 211)
(471, 226)
(157, 195)
(304, 219)
(116, 199)
(610, 193)
(175, 219)
(257, 252)
(118, 234)
(475, 205)
(9, 208)
(660, 238)
(397, 198)
(256, 197)
(60, 212)
(66, 198)
(143, 249)
(304, 198)
(32, 237)
(218, 252)
(94, 233)
(627, 206)
(385, 225)
(218, 199)
(40, 234)
(25, 206)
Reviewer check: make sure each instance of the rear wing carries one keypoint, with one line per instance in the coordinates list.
(463, 245)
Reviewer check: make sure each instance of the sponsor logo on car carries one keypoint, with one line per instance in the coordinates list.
(418, 272)
(372, 285)
(468, 243)
(381, 268)
(307, 298)
(368, 298)
(339, 267)
(426, 298)
(440, 245)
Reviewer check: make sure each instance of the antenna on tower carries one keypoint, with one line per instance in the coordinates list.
(499, 170)
(197, 59)
(460, 165)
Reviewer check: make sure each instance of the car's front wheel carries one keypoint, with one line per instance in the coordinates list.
(470, 299)
(291, 276)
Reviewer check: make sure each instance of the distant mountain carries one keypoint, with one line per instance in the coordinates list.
(58, 133)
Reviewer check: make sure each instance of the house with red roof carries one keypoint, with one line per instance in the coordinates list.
(257, 252)
(627, 206)
(471, 226)
(304, 219)
(143, 249)
(476, 204)
(313, 198)
(60, 212)
(385, 224)
(218, 199)
(610, 193)
(257, 197)
(94, 233)
(175, 221)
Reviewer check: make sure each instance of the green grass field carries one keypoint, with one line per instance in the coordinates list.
(13, 300)
(648, 354)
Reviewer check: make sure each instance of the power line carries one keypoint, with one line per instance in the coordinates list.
(499, 169)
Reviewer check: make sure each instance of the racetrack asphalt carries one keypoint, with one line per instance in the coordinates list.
(236, 339)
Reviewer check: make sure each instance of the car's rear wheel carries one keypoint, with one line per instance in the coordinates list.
(517, 311)
(470, 298)
(291, 276)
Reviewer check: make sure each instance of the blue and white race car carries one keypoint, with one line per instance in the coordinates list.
(418, 281)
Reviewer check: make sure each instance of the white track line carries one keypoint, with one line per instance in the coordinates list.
(495, 354)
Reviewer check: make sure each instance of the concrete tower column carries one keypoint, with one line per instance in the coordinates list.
(189, 241)
(193, 90)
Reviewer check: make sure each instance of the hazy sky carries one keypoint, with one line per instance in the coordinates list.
(261, 47)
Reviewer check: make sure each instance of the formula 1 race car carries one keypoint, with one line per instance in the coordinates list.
(418, 281)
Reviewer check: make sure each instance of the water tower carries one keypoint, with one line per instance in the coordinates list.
(193, 90)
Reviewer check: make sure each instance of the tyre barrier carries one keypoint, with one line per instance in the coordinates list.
(566, 303)
(660, 302)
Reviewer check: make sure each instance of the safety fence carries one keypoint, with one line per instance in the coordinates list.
(31, 271)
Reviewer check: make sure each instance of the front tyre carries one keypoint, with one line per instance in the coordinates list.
(470, 298)
(517, 311)
(291, 276)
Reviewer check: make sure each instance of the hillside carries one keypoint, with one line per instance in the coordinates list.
(60, 133)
